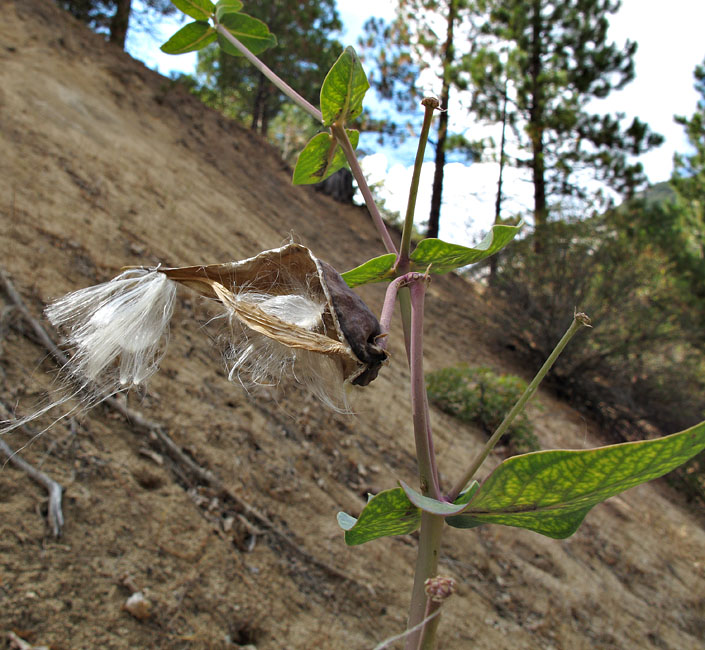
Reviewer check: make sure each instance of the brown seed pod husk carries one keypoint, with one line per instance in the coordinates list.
(348, 330)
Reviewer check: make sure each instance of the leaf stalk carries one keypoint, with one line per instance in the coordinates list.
(341, 136)
(579, 320)
(267, 72)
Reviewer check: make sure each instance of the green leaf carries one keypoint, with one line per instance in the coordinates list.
(442, 508)
(550, 492)
(343, 89)
(251, 32)
(193, 36)
(387, 513)
(321, 157)
(377, 269)
(446, 257)
(468, 493)
(224, 7)
(198, 9)
(345, 521)
(442, 256)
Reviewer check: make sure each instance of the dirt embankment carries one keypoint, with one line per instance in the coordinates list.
(106, 164)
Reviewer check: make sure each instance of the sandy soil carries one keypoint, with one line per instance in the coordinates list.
(104, 164)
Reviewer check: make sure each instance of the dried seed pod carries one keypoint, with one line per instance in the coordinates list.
(311, 321)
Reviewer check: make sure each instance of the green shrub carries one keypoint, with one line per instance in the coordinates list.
(480, 396)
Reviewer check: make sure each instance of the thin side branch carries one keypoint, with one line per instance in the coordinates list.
(393, 639)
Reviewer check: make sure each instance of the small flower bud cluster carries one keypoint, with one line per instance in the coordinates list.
(439, 588)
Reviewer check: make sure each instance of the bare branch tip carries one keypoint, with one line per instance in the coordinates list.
(430, 102)
(582, 318)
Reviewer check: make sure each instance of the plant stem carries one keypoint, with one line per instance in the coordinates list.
(279, 83)
(428, 474)
(432, 611)
(342, 137)
(390, 298)
(385, 319)
(579, 320)
(405, 309)
(430, 104)
(426, 567)
(398, 637)
(338, 131)
(431, 525)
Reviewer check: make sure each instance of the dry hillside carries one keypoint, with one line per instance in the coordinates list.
(104, 163)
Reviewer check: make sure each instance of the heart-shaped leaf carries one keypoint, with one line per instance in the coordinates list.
(387, 513)
(377, 269)
(251, 32)
(198, 9)
(444, 257)
(343, 89)
(189, 38)
(321, 157)
(550, 492)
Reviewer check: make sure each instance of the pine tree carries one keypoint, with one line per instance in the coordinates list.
(560, 60)
(685, 217)
(305, 28)
(423, 37)
(489, 72)
(688, 178)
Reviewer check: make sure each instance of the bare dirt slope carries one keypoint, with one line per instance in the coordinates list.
(103, 164)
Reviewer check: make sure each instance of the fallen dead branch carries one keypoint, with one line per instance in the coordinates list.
(54, 514)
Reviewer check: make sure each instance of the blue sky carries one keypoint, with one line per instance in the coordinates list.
(670, 46)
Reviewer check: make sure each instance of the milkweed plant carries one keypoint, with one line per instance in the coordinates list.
(291, 315)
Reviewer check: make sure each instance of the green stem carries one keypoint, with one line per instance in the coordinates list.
(579, 320)
(278, 82)
(426, 567)
(342, 137)
(430, 104)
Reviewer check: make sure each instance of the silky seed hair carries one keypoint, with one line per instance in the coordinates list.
(116, 333)
(254, 359)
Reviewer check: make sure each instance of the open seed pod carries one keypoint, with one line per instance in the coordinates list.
(294, 299)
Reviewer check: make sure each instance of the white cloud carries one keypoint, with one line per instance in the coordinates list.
(469, 194)
(670, 45)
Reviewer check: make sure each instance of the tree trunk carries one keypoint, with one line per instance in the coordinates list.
(494, 260)
(258, 104)
(536, 129)
(448, 56)
(267, 112)
(119, 22)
